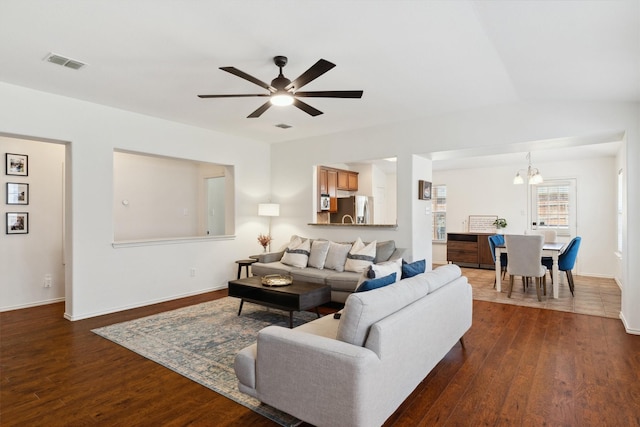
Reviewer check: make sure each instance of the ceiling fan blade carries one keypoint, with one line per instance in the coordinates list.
(316, 70)
(332, 94)
(306, 108)
(234, 96)
(243, 75)
(264, 107)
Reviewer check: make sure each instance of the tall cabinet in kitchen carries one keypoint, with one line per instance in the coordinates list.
(328, 184)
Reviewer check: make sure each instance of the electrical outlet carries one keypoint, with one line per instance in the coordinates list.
(192, 272)
(48, 280)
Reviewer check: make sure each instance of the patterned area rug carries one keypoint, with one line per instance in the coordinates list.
(201, 341)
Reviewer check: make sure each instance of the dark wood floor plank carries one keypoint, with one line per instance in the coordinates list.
(521, 366)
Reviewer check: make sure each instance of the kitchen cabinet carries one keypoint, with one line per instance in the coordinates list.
(332, 190)
(347, 180)
(328, 184)
(470, 250)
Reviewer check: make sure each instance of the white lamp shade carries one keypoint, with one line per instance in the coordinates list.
(269, 209)
(518, 179)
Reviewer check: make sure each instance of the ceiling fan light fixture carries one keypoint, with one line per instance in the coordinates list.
(281, 99)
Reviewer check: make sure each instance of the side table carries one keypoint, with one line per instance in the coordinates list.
(244, 263)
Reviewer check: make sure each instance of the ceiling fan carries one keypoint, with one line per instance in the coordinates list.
(283, 91)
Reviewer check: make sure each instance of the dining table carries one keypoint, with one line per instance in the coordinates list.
(551, 249)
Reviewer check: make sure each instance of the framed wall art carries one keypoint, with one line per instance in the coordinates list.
(424, 190)
(17, 164)
(17, 223)
(482, 223)
(17, 193)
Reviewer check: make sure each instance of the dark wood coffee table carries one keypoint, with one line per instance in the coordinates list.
(298, 296)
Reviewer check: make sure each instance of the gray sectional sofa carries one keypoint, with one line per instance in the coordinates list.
(357, 370)
(342, 283)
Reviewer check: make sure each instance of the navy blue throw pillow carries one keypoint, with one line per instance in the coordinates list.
(414, 268)
(381, 282)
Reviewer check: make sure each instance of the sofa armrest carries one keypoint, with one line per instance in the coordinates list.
(320, 380)
(270, 257)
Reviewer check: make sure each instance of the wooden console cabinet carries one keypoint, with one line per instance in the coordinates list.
(470, 250)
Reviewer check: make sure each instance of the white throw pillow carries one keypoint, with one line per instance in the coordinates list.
(384, 269)
(360, 256)
(337, 256)
(319, 251)
(297, 253)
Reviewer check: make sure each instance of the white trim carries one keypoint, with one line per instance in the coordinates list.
(169, 241)
(142, 304)
(31, 304)
(626, 326)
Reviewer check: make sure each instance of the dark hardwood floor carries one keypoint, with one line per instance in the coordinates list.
(521, 366)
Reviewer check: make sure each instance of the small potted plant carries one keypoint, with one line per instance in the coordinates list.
(500, 223)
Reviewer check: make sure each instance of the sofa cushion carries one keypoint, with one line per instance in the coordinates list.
(325, 326)
(384, 250)
(414, 268)
(297, 253)
(261, 269)
(386, 268)
(360, 256)
(310, 275)
(345, 281)
(371, 284)
(318, 255)
(363, 309)
(337, 256)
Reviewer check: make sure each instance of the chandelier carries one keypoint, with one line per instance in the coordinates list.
(533, 174)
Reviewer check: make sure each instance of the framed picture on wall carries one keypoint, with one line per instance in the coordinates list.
(17, 223)
(424, 190)
(17, 164)
(17, 193)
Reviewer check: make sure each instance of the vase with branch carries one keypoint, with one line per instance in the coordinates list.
(264, 240)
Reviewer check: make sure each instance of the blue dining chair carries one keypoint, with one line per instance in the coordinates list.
(566, 260)
(498, 240)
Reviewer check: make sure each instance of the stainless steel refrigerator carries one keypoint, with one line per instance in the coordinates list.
(354, 209)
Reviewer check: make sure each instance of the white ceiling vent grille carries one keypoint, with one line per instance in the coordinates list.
(64, 61)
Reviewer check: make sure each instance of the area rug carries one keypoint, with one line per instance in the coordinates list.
(201, 341)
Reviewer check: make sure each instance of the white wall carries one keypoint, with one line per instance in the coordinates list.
(490, 191)
(25, 259)
(101, 278)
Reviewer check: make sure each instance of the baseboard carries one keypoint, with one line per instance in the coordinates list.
(629, 330)
(618, 282)
(142, 304)
(31, 304)
(597, 276)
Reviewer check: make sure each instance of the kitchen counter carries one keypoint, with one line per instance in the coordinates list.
(354, 225)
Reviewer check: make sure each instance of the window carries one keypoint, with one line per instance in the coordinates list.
(439, 210)
(554, 206)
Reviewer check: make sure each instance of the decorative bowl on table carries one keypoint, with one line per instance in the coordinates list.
(276, 280)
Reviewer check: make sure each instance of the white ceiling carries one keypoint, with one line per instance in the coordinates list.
(411, 58)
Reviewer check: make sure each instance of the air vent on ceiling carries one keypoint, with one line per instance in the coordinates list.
(64, 61)
(283, 126)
